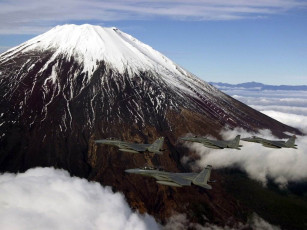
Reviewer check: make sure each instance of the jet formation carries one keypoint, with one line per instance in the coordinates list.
(187, 179)
(215, 144)
(290, 143)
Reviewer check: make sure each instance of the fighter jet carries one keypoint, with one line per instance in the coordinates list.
(176, 179)
(215, 144)
(134, 147)
(290, 143)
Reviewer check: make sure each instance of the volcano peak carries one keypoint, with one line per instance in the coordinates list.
(89, 44)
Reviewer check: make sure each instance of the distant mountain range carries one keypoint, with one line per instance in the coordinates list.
(258, 86)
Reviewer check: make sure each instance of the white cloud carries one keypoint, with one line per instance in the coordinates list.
(256, 222)
(259, 162)
(180, 222)
(45, 198)
(297, 121)
(274, 99)
(289, 107)
(34, 16)
(294, 102)
(281, 108)
(275, 94)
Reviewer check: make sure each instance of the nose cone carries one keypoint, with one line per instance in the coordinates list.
(101, 141)
(132, 170)
(186, 138)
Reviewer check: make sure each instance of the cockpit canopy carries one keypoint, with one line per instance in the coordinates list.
(152, 168)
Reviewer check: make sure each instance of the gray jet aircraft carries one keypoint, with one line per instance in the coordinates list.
(215, 144)
(176, 179)
(134, 147)
(290, 143)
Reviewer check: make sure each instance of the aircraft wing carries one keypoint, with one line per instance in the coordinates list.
(179, 180)
(214, 144)
(272, 144)
(124, 145)
(137, 147)
(111, 142)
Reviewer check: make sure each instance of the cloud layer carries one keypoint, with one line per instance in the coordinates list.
(289, 107)
(297, 121)
(294, 102)
(45, 198)
(259, 162)
(34, 16)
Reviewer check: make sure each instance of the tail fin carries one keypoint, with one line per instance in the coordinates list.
(235, 142)
(291, 142)
(156, 146)
(203, 177)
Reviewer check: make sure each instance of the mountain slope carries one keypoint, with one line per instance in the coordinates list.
(74, 84)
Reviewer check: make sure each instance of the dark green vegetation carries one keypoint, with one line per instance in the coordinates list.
(282, 208)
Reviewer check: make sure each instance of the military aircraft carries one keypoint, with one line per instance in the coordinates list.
(176, 179)
(134, 147)
(290, 143)
(215, 144)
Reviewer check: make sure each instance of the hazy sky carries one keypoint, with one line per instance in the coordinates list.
(217, 40)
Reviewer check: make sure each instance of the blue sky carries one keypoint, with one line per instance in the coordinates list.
(217, 40)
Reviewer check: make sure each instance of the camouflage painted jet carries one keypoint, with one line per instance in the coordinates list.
(215, 144)
(176, 179)
(290, 143)
(134, 147)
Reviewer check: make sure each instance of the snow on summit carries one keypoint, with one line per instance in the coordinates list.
(89, 44)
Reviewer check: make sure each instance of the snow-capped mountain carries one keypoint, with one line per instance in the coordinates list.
(89, 45)
(109, 66)
(61, 90)
(86, 50)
